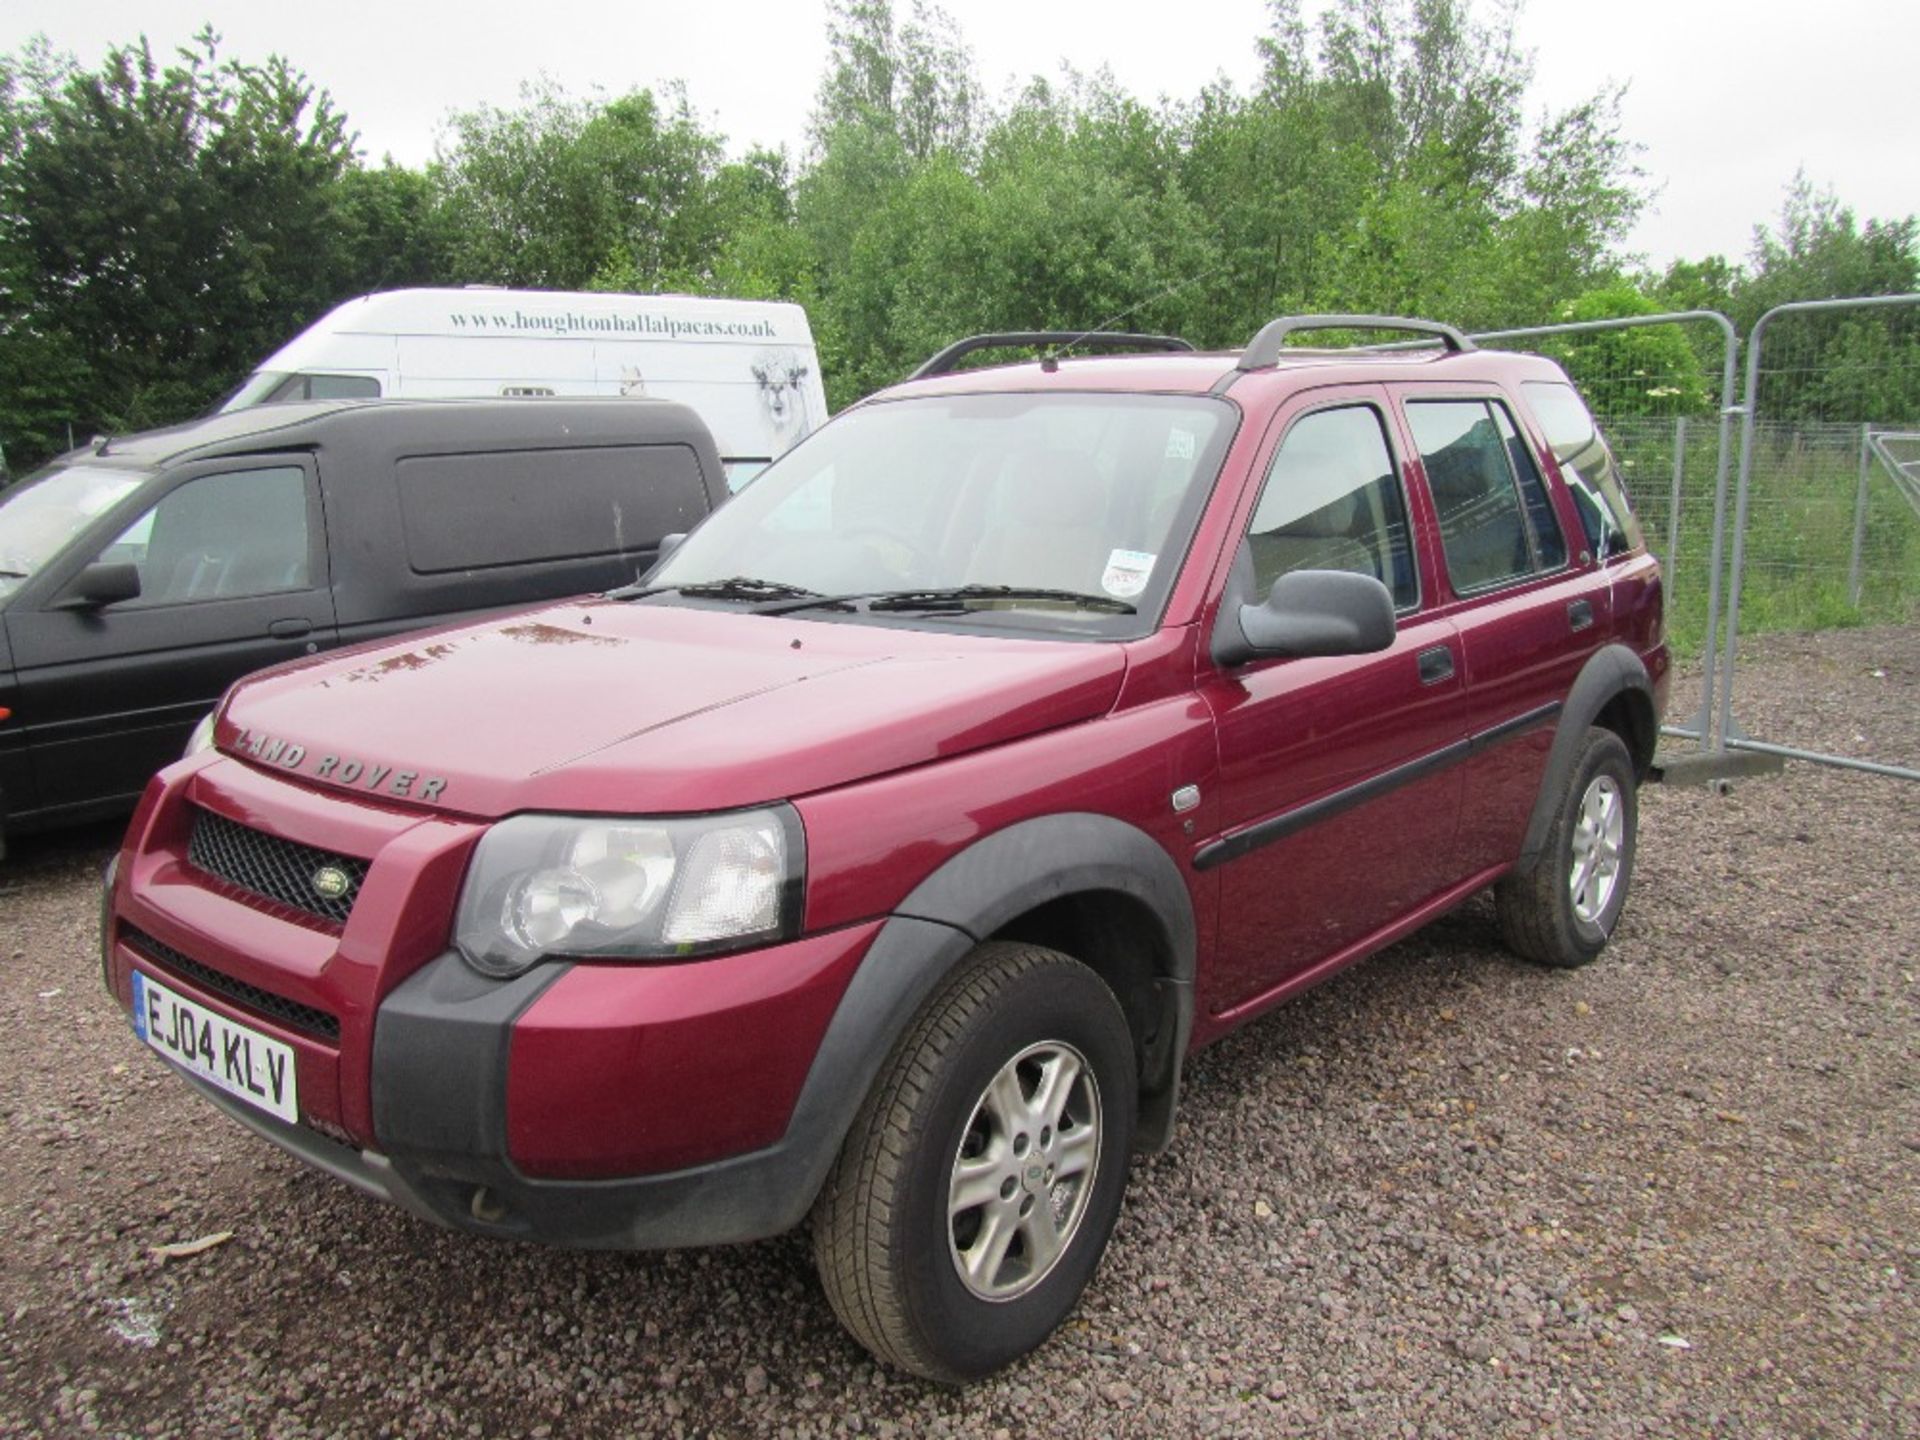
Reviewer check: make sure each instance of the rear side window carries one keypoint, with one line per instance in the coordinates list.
(1332, 502)
(1496, 524)
(1543, 525)
(1588, 466)
(472, 512)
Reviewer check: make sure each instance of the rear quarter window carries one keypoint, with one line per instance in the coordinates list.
(1606, 515)
(525, 507)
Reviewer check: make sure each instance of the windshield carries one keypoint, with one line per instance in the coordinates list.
(257, 389)
(39, 516)
(1088, 498)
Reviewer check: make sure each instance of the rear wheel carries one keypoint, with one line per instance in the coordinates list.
(976, 1190)
(1564, 910)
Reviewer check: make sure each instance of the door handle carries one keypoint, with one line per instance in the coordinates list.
(1436, 664)
(290, 629)
(1580, 614)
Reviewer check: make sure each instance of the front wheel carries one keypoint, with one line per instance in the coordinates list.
(976, 1190)
(1564, 910)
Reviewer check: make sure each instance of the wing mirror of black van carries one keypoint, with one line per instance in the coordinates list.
(1313, 612)
(101, 585)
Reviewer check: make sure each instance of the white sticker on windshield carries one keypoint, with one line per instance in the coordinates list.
(1179, 444)
(1127, 572)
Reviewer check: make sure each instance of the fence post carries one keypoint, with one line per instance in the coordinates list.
(1673, 506)
(1860, 517)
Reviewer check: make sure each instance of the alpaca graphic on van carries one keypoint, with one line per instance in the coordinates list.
(782, 377)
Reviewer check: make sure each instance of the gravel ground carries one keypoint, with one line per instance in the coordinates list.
(1444, 1195)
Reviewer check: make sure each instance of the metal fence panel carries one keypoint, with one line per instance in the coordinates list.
(1822, 527)
(1822, 534)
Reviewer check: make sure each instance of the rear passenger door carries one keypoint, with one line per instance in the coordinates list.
(1339, 789)
(1530, 607)
(233, 577)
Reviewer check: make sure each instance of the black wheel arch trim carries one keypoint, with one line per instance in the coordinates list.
(1612, 671)
(439, 1070)
(1012, 871)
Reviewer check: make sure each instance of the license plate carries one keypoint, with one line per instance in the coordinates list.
(243, 1062)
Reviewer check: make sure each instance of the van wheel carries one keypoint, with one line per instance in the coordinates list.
(1563, 911)
(976, 1190)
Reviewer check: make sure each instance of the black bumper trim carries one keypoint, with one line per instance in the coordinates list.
(444, 1142)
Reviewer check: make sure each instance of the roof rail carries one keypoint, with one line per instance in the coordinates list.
(1264, 349)
(948, 358)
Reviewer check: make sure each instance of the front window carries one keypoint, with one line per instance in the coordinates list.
(1067, 514)
(221, 537)
(39, 516)
(1332, 502)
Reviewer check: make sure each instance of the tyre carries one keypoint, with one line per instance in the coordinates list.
(976, 1190)
(1563, 910)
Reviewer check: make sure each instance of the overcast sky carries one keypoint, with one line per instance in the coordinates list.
(1728, 99)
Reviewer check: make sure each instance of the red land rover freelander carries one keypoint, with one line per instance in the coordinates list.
(881, 857)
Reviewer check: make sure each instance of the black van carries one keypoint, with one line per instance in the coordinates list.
(141, 576)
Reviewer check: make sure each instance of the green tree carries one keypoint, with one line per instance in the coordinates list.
(1644, 371)
(161, 227)
(563, 193)
(1384, 164)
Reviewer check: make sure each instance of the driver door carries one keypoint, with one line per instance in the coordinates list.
(1339, 788)
(233, 577)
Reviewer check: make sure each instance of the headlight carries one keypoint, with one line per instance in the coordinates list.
(583, 886)
(202, 736)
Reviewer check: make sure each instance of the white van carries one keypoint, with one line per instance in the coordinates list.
(747, 367)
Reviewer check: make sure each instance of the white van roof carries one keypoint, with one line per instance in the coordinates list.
(551, 315)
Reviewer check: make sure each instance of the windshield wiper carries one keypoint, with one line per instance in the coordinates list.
(950, 598)
(734, 587)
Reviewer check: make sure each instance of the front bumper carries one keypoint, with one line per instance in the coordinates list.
(602, 1105)
(738, 1198)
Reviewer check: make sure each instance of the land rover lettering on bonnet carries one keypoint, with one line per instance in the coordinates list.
(343, 769)
(878, 858)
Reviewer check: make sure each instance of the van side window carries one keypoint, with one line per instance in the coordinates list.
(1332, 501)
(1483, 525)
(221, 537)
(520, 507)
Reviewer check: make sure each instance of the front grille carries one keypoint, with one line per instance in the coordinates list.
(283, 871)
(264, 1003)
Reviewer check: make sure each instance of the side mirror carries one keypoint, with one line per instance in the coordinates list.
(101, 585)
(1312, 612)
